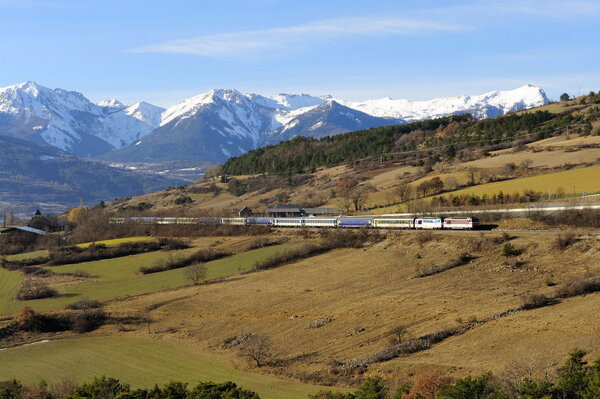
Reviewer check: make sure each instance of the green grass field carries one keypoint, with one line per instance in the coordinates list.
(108, 243)
(9, 284)
(117, 241)
(137, 361)
(27, 255)
(571, 181)
(119, 277)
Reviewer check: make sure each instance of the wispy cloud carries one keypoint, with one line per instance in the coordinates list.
(549, 8)
(256, 41)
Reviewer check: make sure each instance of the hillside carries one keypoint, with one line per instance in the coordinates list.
(39, 176)
(395, 165)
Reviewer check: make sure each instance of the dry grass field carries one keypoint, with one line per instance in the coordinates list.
(364, 293)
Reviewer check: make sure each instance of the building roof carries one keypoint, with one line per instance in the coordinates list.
(322, 211)
(285, 208)
(24, 228)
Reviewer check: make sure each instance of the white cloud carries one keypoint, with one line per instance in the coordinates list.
(560, 9)
(248, 42)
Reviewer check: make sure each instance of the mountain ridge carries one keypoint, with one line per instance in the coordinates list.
(220, 123)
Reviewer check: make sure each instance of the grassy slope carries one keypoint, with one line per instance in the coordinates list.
(117, 241)
(9, 284)
(83, 358)
(115, 278)
(580, 180)
(108, 243)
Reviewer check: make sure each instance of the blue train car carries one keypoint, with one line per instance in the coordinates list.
(260, 221)
(355, 222)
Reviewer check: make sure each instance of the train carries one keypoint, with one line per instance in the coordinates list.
(344, 222)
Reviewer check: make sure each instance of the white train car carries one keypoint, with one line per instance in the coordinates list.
(467, 223)
(288, 222)
(394, 223)
(234, 221)
(320, 222)
(428, 223)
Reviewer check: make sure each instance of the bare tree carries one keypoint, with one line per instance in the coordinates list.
(343, 192)
(398, 334)
(214, 172)
(195, 273)
(472, 173)
(404, 192)
(258, 348)
(526, 163)
(360, 194)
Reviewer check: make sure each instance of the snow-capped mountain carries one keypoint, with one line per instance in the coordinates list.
(488, 105)
(223, 123)
(69, 121)
(220, 123)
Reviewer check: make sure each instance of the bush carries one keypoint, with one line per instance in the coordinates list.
(563, 241)
(423, 237)
(87, 320)
(509, 250)
(461, 260)
(579, 286)
(85, 303)
(195, 273)
(171, 263)
(534, 301)
(34, 289)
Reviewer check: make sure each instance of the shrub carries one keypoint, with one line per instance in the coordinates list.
(461, 260)
(87, 320)
(85, 303)
(428, 383)
(172, 244)
(195, 273)
(34, 289)
(579, 286)
(424, 237)
(183, 200)
(563, 241)
(534, 301)
(509, 250)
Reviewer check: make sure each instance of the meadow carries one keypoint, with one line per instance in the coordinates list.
(81, 359)
(119, 277)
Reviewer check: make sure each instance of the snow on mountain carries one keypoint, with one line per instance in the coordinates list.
(111, 104)
(69, 121)
(220, 123)
(146, 112)
(494, 103)
(287, 101)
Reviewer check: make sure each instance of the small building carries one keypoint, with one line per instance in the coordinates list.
(245, 212)
(321, 211)
(285, 211)
(21, 235)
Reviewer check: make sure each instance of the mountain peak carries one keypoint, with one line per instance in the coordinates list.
(111, 103)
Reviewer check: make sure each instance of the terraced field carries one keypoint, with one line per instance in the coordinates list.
(120, 277)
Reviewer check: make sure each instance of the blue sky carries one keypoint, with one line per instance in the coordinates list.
(163, 52)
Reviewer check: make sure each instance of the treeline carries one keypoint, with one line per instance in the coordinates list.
(576, 379)
(302, 153)
(112, 388)
(437, 138)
